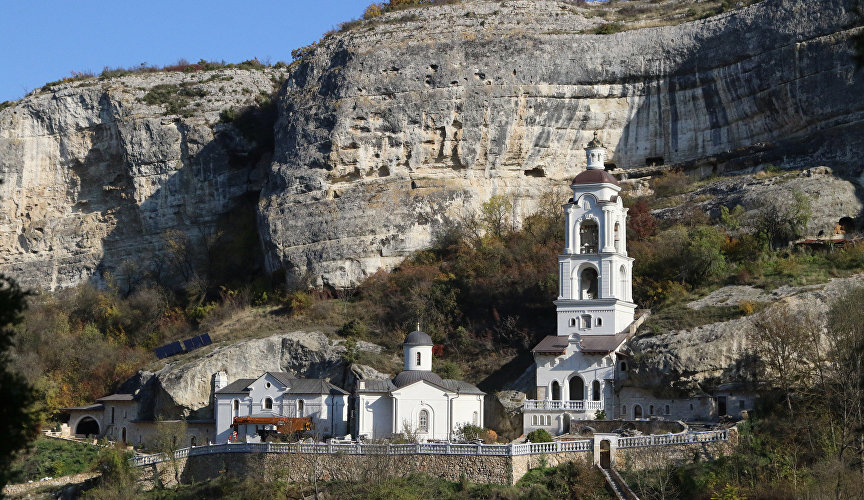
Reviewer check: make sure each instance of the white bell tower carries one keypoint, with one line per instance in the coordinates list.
(595, 294)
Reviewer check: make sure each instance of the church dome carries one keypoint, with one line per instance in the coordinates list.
(408, 377)
(594, 176)
(595, 142)
(418, 338)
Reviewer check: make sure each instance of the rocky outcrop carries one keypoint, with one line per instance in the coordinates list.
(390, 130)
(95, 179)
(831, 198)
(185, 387)
(698, 360)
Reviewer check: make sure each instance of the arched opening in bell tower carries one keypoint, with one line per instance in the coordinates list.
(617, 237)
(622, 283)
(589, 237)
(588, 286)
(577, 388)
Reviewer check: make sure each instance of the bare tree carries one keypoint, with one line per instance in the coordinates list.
(784, 341)
(170, 437)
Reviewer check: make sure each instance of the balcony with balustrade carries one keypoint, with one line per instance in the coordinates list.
(561, 405)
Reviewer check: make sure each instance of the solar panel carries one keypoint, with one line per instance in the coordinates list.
(174, 348)
(192, 344)
(205, 339)
(160, 352)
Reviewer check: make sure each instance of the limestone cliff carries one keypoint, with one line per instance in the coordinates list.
(97, 173)
(389, 130)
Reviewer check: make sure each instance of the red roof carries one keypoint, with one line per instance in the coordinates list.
(594, 176)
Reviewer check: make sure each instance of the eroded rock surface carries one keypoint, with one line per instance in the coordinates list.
(388, 131)
(185, 387)
(697, 360)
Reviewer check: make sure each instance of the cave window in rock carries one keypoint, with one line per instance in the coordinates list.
(589, 237)
(556, 391)
(845, 225)
(588, 283)
(577, 388)
(268, 404)
(595, 390)
(423, 421)
(192, 441)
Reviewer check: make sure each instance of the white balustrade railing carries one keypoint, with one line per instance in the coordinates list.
(673, 439)
(507, 450)
(554, 404)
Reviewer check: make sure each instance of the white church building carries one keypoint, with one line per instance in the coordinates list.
(417, 400)
(276, 394)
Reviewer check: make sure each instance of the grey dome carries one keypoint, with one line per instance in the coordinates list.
(418, 338)
(408, 377)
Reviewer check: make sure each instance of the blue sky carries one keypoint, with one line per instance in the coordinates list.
(46, 40)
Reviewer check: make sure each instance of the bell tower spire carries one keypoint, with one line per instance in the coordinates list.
(595, 273)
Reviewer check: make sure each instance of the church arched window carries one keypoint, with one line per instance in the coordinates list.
(423, 421)
(651, 409)
(268, 404)
(572, 321)
(236, 407)
(586, 320)
(418, 359)
(300, 408)
(589, 237)
(556, 391)
(475, 418)
(622, 283)
(588, 284)
(595, 390)
(599, 321)
(533, 419)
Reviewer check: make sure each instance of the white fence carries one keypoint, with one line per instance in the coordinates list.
(674, 439)
(554, 404)
(495, 450)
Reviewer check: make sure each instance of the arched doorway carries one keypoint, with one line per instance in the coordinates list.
(577, 388)
(567, 420)
(123, 435)
(589, 237)
(605, 454)
(556, 391)
(637, 411)
(595, 390)
(87, 426)
(588, 284)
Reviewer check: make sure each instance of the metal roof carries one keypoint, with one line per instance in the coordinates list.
(418, 338)
(601, 344)
(118, 397)
(239, 386)
(408, 377)
(552, 344)
(97, 406)
(376, 386)
(594, 176)
(462, 386)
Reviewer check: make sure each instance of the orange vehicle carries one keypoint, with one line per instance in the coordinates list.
(286, 427)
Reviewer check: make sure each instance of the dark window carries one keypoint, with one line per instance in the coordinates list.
(268, 404)
(418, 359)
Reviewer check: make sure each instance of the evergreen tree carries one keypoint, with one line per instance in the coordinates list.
(18, 419)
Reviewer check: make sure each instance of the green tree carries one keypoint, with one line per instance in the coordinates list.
(18, 419)
(785, 219)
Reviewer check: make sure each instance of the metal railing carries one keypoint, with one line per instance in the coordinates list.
(673, 439)
(553, 404)
(499, 450)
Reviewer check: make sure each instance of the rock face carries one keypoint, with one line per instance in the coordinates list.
(95, 179)
(389, 130)
(185, 387)
(697, 360)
